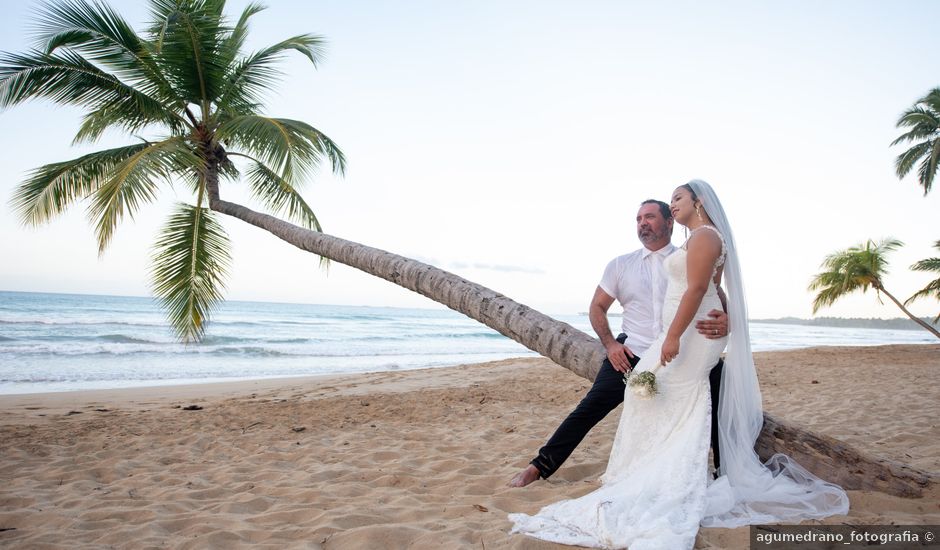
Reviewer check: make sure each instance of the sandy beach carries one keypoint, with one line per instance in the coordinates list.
(416, 459)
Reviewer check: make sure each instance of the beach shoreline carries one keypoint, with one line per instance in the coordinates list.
(53, 343)
(415, 458)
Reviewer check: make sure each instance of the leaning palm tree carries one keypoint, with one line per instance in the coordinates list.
(923, 121)
(933, 287)
(186, 85)
(859, 267)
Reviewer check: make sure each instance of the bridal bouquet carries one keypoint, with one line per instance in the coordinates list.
(643, 384)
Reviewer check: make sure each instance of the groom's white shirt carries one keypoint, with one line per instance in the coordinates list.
(638, 282)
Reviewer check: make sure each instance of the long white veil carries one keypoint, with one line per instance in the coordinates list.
(748, 491)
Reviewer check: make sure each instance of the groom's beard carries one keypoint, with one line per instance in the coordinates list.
(648, 236)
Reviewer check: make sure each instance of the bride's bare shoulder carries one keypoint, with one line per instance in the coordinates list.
(705, 242)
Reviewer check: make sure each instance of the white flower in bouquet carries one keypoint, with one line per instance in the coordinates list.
(643, 384)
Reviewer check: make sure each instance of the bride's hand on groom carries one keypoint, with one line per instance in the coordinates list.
(617, 353)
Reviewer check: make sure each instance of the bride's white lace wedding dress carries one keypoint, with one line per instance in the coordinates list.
(653, 494)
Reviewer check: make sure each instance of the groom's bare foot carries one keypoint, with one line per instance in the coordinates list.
(525, 477)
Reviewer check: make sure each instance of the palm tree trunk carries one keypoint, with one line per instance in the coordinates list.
(569, 347)
(840, 463)
(554, 339)
(908, 313)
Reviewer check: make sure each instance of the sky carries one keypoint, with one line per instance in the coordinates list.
(512, 143)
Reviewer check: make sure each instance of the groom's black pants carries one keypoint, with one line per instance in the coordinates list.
(604, 396)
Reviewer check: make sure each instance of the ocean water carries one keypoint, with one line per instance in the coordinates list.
(62, 342)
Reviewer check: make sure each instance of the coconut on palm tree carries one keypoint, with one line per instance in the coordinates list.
(923, 123)
(859, 267)
(933, 287)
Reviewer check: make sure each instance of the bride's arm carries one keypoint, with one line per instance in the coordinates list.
(703, 250)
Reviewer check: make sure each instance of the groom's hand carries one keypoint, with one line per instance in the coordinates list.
(617, 353)
(715, 327)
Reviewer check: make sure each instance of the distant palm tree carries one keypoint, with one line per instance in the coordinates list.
(923, 119)
(858, 268)
(933, 287)
(187, 84)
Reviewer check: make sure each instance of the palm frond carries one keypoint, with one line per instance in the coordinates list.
(931, 290)
(188, 35)
(134, 182)
(888, 244)
(928, 167)
(68, 79)
(929, 264)
(826, 297)
(233, 43)
(923, 122)
(257, 74)
(126, 116)
(906, 160)
(102, 36)
(289, 147)
(875, 254)
(50, 189)
(278, 196)
(189, 264)
(933, 287)
(229, 171)
(931, 100)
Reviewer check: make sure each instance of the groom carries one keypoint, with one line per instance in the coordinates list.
(638, 282)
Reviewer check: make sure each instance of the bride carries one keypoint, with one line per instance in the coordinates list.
(657, 490)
